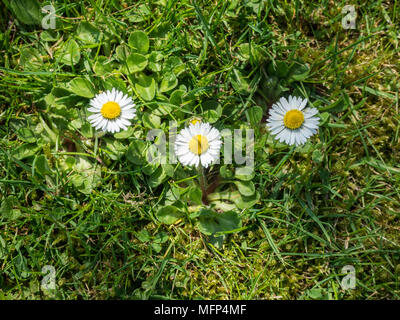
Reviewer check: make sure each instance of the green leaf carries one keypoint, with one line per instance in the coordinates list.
(246, 188)
(240, 82)
(244, 173)
(115, 82)
(136, 152)
(176, 97)
(87, 33)
(26, 11)
(254, 115)
(42, 165)
(168, 214)
(139, 41)
(211, 223)
(146, 86)
(155, 61)
(158, 177)
(175, 65)
(143, 235)
(26, 135)
(69, 53)
(141, 13)
(161, 237)
(211, 116)
(82, 87)
(225, 172)
(88, 175)
(25, 151)
(299, 72)
(150, 120)
(49, 36)
(279, 69)
(70, 162)
(31, 59)
(7, 210)
(122, 52)
(125, 133)
(195, 195)
(156, 247)
(114, 148)
(317, 156)
(243, 202)
(135, 62)
(168, 82)
(103, 65)
(244, 52)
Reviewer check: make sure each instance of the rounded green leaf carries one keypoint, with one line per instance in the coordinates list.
(136, 152)
(26, 11)
(168, 82)
(225, 172)
(124, 134)
(254, 115)
(157, 177)
(243, 202)
(82, 87)
(70, 54)
(135, 63)
(139, 41)
(195, 195)
(168, 214)
(87, 33)
(244, 173)
(246, 188)
(26, 135)
(146, 87)
(150, 120)
(103, 65)
(211, 222)
(176, 97)
(155, 61)
(299, 72)
(42, 165)
(122, 52)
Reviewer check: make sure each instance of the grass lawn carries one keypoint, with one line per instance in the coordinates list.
(88, 207)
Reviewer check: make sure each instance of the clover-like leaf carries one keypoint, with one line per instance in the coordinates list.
(82, 87)
(168, 82)
(135, 62)
(69, 53)
(245, 188)
(136, 152)
(169, 214)
(139, 41)
(254, 115)
(211, 223)
(146, 86)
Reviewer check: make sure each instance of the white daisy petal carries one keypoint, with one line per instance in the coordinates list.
(197, 144)
(111, 117)
(300, 124)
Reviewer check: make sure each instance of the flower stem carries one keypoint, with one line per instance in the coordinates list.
(96, 143)
(203, 180)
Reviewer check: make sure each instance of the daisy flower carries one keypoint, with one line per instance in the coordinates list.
(199, 143)
(112, 111)
(290, 122)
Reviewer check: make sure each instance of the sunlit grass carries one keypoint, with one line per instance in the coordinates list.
(331, 203)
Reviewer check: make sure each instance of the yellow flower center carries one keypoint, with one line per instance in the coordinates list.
(194, 121)
(293, 119)
(199, 144)
(110, 110)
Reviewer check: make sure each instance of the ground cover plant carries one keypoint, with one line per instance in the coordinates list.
(86, 211)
